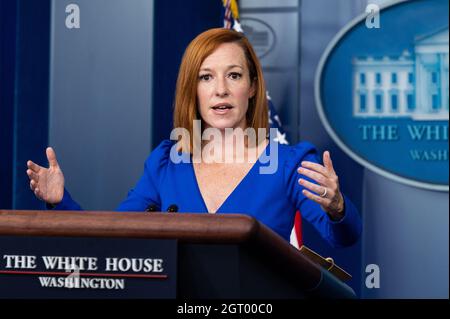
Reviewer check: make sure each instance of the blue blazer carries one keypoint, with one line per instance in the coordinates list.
(272, 199)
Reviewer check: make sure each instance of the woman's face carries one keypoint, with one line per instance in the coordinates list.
(224, 88)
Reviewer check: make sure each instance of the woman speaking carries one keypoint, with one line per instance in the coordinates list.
(215, 161)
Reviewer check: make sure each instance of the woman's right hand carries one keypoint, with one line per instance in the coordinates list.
(47, 183)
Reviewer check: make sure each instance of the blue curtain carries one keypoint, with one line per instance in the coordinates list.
(7, 67)
(176, 23)
(25, 39)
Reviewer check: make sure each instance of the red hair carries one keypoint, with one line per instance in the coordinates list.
(186, 108)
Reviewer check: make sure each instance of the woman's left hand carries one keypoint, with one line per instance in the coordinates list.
(327, 192)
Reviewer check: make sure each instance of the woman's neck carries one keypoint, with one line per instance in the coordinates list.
(231, 146)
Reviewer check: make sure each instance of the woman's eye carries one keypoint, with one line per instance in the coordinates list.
(205, 77)
(235, 75)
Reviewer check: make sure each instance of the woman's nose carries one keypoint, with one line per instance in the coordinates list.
(222, 88)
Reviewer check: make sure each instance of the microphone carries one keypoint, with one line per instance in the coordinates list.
(152, 208)
(172, 208)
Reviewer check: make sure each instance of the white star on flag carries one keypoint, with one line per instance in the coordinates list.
(281, 138)
(237, 26)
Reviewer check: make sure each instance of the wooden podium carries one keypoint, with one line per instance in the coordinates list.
(219, 256)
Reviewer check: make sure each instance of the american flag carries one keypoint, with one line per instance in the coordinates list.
(230, 14)
(231, 21)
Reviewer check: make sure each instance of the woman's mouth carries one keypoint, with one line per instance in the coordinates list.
(221, 108)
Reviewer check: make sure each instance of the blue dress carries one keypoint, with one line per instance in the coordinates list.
(272, 199)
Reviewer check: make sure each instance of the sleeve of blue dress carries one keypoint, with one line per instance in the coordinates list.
(145, 192)
(67, 203)
(342, 233)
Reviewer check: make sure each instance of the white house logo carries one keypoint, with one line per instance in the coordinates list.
(383, 94)
(414, 84)
(260, 34)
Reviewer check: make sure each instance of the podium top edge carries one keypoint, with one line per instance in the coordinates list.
(182, 226)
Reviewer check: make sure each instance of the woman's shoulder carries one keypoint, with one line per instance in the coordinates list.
(296, 153)
(164, 147)
(291, 157)
(160, 156)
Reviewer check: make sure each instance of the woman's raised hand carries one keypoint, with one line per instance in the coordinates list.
(326, 192)
(47, 183)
